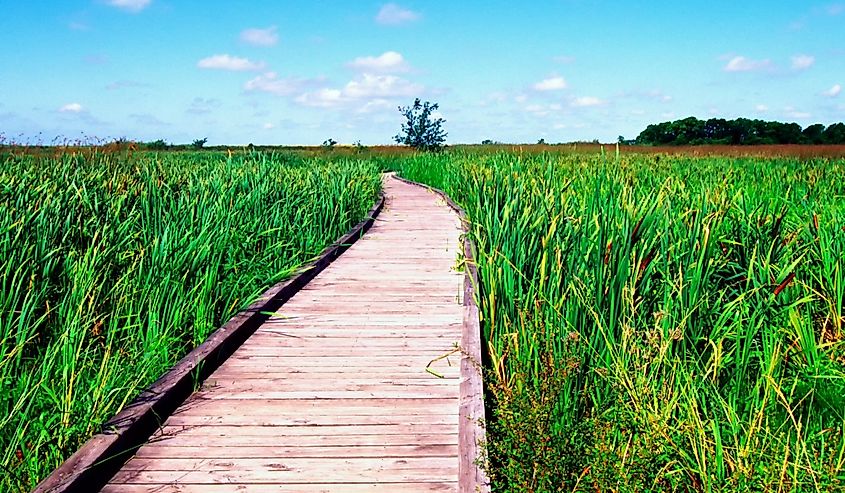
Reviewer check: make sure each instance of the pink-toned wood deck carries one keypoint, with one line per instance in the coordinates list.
(332, 393)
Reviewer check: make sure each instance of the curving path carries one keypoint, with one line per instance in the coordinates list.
(333, 392)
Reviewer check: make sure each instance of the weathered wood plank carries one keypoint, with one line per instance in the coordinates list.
(309, 473)
(406, 487)
(308, 405)
(297, 431)
(262, 394)
(323, 375)
(270, 451)
(292, 385)
(296, 465)
(446, 416)
(203, 435)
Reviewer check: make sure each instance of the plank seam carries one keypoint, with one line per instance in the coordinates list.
(90, 468)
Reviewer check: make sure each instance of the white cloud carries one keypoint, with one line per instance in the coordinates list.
(378, 104)
(791, 112)
(228, 62)
(367, 89)
(386, 86)
(260, 37)
(268, 126)
(71, 108)
(742, 64)
(536, 108)
(555, 83)
(659, 96)
(387, 62)
(271, 83)
(321, 98)
(392, 14)
(833, 91)
(802, 62)
(563, 59)
(130, 5)
(761, 108)
(835, 9)
(587, 101)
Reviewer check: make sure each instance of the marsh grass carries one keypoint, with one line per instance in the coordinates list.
(114, 264)
(657, 323)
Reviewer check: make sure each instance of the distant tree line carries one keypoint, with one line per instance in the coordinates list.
(741, 131)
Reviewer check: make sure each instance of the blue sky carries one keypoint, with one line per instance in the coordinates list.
(282, 72)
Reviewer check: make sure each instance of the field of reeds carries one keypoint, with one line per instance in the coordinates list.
(656, 322)
(114, 264)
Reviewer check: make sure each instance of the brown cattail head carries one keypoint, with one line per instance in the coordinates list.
(778, 222)
(635, 235)
(644, 263)
(786, 282)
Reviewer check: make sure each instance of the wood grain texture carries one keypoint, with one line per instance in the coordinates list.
(355, 384)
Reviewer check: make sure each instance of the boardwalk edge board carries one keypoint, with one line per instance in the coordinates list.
(471, 431)
(90, 468)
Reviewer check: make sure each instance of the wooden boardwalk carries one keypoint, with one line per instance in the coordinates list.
(347, 388)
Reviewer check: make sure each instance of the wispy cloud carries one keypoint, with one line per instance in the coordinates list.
(71, 108)
(271, 83)
(791, 112)
(260, 37)
(563, 59)
(202, 106)
(835, 9)
(148, 119)
(833, 91)
(802, 62)
(743, 64)
(392, 14)
(554, 83)
(761, 108)
(542, 110)
(387, 62)
(586, 102)
(647, 95)
(133, 6)
(123, 84)
(228, 62)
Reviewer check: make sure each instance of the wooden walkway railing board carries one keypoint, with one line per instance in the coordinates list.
(337, 390)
